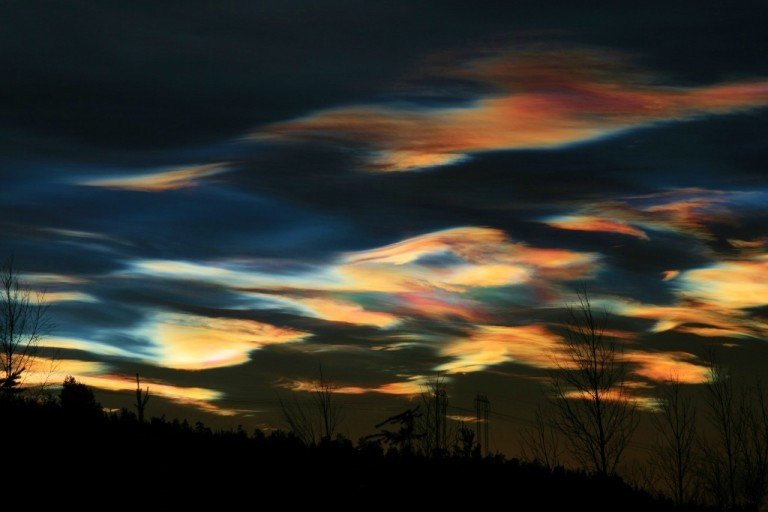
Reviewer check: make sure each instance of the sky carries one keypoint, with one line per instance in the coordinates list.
(225, 196)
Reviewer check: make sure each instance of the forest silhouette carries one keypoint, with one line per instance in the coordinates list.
(88, 454)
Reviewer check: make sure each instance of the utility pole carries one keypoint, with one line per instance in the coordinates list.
(482, 421)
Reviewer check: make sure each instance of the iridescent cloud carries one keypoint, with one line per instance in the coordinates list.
(200, 398)
(593, 223)
(482, 257)
(692, 317)
(190, 342)
(665, 366)
(748, 244)
(50, 372)
(684, 211)
(160, 181)
(532, 99)
(733, 284)
(54, 297)
(449, 261)
(342, 311)
(535, 345)
(488, 345)
(411, 386)
(439, 304)
(669, 275)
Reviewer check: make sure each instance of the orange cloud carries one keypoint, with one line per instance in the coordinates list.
(694, 317)
(489, 345)
(484, 257)
(615, 395)
(439, 305)
(469, 243)
(539, 99)
(54, 297)
(43, 371)
(669, 275)
(733, 284)
(592, 223)
(663, 366)
(162, 181)
(748, 244)
(412, 386)
(188, 342)
(685, 211)
(341, 311)
(200, 398)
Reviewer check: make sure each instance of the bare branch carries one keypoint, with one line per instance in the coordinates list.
(593, 406)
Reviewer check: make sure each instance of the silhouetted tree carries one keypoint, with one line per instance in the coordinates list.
(432, 423)
(78, 400)
(142, 397)
(675, 425)
(593, 407)
(541, 441)
(752, 445)
(720, 457)
(316, 419)
(22, 324)
(466, 445)
(328, 408)
(405, 436)
(736, 461)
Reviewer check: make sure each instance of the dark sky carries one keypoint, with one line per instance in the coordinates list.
(223, 196)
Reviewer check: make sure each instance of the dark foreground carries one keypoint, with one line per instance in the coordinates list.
(75, 454)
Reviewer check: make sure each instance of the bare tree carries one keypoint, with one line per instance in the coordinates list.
(675, 425)
(737, 458)
(23, 323)
(541, 441)
(433, 422)
(142, 397)
(720, 457)
(328, 409)
(594, 409)
(300, 419)
(752, 445)
(316, 419)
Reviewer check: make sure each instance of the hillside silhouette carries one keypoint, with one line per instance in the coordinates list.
(77, 453)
